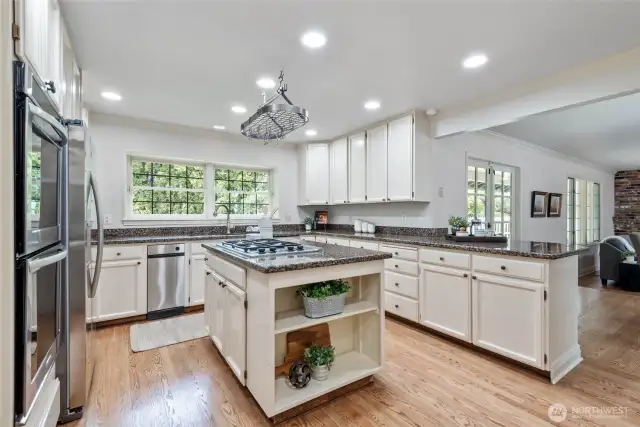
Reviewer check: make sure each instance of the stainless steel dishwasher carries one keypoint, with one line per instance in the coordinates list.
(165, 280)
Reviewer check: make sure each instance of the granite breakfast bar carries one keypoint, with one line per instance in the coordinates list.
(251, 307)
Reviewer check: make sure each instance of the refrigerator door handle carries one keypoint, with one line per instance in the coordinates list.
(36, 264)
(96, 272)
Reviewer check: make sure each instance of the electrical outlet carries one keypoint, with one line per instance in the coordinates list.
(404, 220)
(107, 219)
(440, 191)
(287, 217)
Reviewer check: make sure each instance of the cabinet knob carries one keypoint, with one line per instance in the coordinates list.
(50, 86)
(465, 275)
(396, 253)
(474, 277)
(396, 305)
(397, 284)
(388, 200)
(206, 259)
(326, 203)
(139, 262)
(118, 254)
(442, 258)
(177, 248)
(503, 267)
(221, 283)
(208, 273)
(396, 265)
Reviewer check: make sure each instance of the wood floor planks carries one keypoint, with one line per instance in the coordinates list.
(427, 381)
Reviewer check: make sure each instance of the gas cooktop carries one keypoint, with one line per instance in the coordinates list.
(264, 247)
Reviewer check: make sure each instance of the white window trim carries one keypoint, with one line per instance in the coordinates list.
(209, 217)
(584, 215)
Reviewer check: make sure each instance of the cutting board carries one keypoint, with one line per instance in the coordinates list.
(298, 341)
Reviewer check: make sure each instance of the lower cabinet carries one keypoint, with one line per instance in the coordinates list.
(508, 317)
(227, 318)
(196, 280)
(122, 290)
(445, 301)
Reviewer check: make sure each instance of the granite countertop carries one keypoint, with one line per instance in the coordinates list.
(540, 250)
(132, 240)
(330, 255)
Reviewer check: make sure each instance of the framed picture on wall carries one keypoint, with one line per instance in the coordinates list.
(554, 205)
(538, 204)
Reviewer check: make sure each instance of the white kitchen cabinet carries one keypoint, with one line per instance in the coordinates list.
(235, 329)
(357, 169)
(196, 280)
(377, 164)
(445, 301)
(317, 179)
(54, 52)
(399, 159)
(339, 174)
(71, 89)
(215, 306)
(508, 316)
(122, 290)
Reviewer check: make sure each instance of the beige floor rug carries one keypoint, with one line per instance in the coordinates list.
(161, 333)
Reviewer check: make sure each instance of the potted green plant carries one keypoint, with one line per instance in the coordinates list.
(459, 225)
(308, 223)
(320, 358)
(627, 256)
(324, 298)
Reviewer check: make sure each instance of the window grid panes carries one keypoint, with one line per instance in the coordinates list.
(583, 211)
(570, 211)
(244, 192)
(489, 196)
(167, 188)
(596, 212)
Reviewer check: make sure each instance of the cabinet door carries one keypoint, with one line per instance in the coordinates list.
(357, 169)
(339, 171)
(122, 290)
(196, 280)
(317, 174)
(216, 303)
(53, 51)
(208, 299)
(32, 16)
(400, 159)
(508, 317)
(377, 164)
(235, 329)
(69, 92)
(445, 301)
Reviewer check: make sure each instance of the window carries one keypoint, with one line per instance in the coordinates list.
(490, 192)
(33, 182)
(583, 211)
(166, 189)
(244, 192)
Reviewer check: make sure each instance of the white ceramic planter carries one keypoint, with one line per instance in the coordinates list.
(307, 227)
(320, 373)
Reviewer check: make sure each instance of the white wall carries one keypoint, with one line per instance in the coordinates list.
(539, 169)
(114, 136)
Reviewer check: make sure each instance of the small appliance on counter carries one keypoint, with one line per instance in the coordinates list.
(322, 219)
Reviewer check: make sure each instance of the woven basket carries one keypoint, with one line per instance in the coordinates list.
(329, 306)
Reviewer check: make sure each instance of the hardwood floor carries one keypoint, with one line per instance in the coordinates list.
(426, 381)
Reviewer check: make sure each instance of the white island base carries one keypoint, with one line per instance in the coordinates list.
(273, 309)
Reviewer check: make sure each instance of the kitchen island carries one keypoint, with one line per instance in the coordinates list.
(251, 306)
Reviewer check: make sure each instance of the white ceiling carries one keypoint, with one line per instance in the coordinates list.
(187, 62)
(605, 133)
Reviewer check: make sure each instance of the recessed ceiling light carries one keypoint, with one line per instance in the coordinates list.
(313, 39)
(311, 132)
(475, 61)
(219, 127)
(266, 83)
(111, 96)
(238, 109)
(372, 105)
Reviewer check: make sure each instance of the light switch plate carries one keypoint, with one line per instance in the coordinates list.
(107, 219)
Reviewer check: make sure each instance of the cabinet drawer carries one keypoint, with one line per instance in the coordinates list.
(364, 245)
(308, 238)
(227, 270)
(401, 283)
(509, 267)
(401, 266)
(196, 248)
(321, 239)
(448, 259)
(401, 306)
(114, 253)
(399, 252)
(336, 241)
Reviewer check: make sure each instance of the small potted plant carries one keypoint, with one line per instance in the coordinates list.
(324, 298)
(459, 225)
(320, 358)
(308, 223)
(628, 256)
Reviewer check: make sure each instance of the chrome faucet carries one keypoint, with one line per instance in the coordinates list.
(229, 225)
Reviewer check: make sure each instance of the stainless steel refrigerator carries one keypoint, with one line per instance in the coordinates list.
(76, 359)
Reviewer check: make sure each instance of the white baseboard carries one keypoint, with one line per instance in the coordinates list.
(565, 363)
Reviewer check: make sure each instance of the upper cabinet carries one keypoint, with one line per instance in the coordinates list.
(317, 174)
(357, 168)
(400, 160)
(339, 172)
(41, 41)
(376, 167)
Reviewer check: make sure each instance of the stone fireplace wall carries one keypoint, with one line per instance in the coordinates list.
(627, 202)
